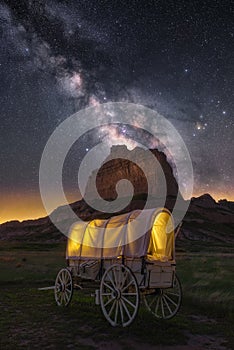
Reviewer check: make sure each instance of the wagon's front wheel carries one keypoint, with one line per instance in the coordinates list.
(164, 302)
(119, 295)
(63, 289)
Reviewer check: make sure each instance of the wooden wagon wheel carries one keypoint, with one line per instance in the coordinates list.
(164, 302)
(63, 289)
(119, 295)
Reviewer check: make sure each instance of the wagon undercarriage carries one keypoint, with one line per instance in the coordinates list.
(118, 293)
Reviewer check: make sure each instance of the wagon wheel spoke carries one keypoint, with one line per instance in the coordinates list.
(111, 280)
(68, 290)
(63, 301)
(157, 305)
(118, 306)
(109, 301)
(116, 311)
(67, 278)
(63, 276)
(171, 301)
(121, 311)
(123, 280)
(65, 297)
(126, 309)
(112, 307)
(108, 286)
(128, 285)
(115, 278)
(153, 300)
(167, 300)
(162, 308)
(167, 305)
(175, 294)
(59, 298)
(128, 301)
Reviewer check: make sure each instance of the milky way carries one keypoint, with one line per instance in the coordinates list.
(58, 57)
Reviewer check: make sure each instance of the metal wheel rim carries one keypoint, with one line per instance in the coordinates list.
(164, 303)
(63, 287)
(119, 295)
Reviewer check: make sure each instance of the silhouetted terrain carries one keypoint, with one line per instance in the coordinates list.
(206, 220)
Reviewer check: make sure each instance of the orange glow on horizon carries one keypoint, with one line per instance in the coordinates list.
(28, 206)
(24, 206)
(216, 195)
(21, 207)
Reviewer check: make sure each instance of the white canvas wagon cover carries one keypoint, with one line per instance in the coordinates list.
(148, 232)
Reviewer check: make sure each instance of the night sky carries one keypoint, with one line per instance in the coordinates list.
(58, 57)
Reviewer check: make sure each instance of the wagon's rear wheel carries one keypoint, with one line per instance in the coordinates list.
(119, 295)
(63, 287)
(164, 302)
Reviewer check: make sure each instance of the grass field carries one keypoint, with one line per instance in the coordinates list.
(29, 319)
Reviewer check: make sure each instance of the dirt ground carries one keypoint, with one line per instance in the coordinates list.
(195, 342)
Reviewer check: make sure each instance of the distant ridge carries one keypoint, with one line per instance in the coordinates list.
(205, 220)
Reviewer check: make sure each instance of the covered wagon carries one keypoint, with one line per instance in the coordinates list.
(127, 257)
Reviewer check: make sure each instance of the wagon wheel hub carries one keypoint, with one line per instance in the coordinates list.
(117, 294)
(62, 287)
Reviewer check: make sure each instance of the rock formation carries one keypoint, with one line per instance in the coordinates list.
(207, 220)
(145, 175)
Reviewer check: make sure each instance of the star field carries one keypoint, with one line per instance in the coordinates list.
(58, 57)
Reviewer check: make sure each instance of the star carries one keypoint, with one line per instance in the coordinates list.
(198, 126)
(84, 55)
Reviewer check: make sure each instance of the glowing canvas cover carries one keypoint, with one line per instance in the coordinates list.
(139, 233)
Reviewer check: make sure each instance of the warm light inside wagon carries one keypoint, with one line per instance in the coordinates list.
(161, 246)
(116, 237)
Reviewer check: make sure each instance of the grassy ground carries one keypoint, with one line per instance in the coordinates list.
(29, 319)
